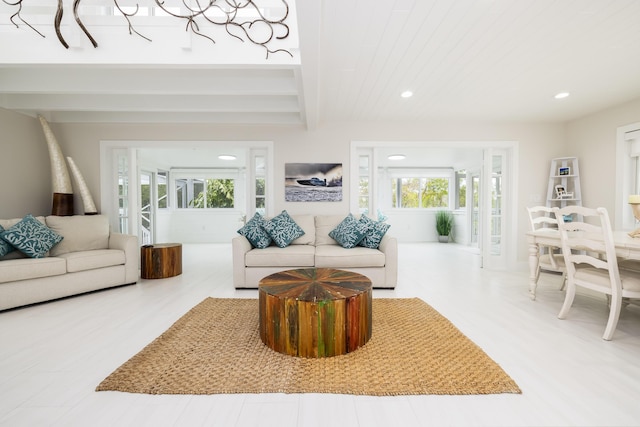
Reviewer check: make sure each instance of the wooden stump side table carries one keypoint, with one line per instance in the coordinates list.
(315, 312)
(160, 260)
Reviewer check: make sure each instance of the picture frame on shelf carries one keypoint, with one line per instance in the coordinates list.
(561, 192)
(564, 171)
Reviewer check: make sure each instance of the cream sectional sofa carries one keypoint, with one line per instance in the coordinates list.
(88, 258)
(315, 249)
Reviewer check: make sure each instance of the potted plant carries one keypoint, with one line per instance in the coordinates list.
(444, 224)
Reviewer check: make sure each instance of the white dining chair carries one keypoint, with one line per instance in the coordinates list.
(550, 257)
(591, 262)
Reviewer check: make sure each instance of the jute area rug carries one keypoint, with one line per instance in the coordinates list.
(216, 348)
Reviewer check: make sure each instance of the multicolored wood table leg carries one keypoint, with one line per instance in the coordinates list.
(315, 312)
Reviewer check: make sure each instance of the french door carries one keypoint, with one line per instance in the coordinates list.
(146, 225)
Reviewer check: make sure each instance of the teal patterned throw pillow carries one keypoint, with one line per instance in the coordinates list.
(375, 232)
(283, 229)
(349, 232)
(5, 247)
(255, 232)
(31, 237)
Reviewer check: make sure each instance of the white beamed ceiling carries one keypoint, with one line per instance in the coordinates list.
(489, 60)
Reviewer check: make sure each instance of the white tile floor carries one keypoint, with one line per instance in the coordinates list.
(52, 356)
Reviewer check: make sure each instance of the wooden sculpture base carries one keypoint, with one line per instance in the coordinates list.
(62, 204)
(315, 312)
(161, 260)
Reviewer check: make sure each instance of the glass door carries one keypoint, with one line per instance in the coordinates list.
(473, 201)
(146, 229)
(493, 201)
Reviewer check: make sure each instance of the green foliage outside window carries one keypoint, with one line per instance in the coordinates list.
(219, 194)
(420, 192)
(363, 187)
(435, 193)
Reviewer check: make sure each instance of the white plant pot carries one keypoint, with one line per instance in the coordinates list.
(443, 239)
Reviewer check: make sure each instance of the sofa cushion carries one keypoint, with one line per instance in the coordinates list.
(81, 232)
(31, 237)
(283, 229)
(89, 260)
(349, 232)
(308, 225)
(375, 232)
(5, 247)
(324, 225)
(291, 256)
(27, 268)
(338, 257)
(254, 231)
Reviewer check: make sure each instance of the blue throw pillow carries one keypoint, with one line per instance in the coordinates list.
(349, 232)
(283, 229)
(5, 247)
(375, 232)
(31, 237)
(255, 233)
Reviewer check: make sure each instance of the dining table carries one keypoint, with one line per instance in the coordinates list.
(627, 247)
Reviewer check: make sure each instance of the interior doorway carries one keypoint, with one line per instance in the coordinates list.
(140, 187)
(489, 214)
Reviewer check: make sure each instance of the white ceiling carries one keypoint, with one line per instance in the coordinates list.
(498, 60)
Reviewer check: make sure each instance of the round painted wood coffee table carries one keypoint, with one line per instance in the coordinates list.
(315, 312)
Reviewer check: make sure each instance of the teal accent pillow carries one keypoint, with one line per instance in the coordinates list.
(283, 229)
(5, 247)
(375, 232)
(349, 232)
(255, 233)
(31, 237)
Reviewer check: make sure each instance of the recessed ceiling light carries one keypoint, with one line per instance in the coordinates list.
(562, 95)
(406, 94)
(397, 157)
(226, 157)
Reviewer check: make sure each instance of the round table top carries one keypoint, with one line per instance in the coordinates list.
(162, 245)
(315, 284)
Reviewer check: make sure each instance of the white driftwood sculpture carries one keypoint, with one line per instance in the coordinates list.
(87, 200)
(60, 180)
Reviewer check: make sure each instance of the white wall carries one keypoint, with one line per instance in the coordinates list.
(25, 171)
(593, 140)
(329, 143)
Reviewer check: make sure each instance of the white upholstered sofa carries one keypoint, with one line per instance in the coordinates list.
(315, 249)
(88, 258)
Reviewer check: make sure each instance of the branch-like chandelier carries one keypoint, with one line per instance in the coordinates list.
(260, 31)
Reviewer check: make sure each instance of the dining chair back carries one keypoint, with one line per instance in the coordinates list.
(591, 261)
(550, 258)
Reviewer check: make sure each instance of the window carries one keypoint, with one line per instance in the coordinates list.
(628, 179)
(461, 189)
(260, 183)
(260, 195)
(123, 192)
(363, 183)
(162, 179)
(205, 193)
(420, 192)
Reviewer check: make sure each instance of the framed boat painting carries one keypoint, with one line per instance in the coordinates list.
(313, 182)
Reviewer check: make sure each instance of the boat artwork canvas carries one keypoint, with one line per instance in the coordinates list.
(313, 182)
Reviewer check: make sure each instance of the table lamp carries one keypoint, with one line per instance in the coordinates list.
(634, 201)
